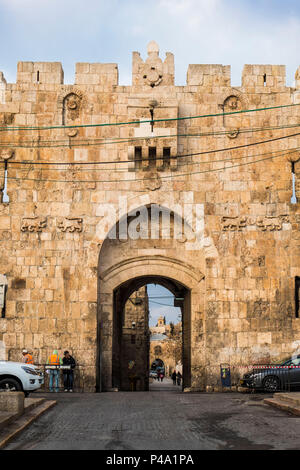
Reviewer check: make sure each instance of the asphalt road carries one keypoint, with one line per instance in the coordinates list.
(162, 419)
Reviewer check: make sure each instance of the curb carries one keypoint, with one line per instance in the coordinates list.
(17, 426)
(284, 406)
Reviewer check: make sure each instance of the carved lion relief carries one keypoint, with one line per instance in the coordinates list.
(33, 224)
(263, 223)
(70, 224)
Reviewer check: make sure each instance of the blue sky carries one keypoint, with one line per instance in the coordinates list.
(231, 32)
(159, 295)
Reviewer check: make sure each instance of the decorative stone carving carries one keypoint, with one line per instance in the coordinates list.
(152, 181)
(33, 224)
(71, 107)
(233, 224)
(70, 224)
(153, 71)
(271, 223)
(264, 223)
(70, 103)
(6, 154)
(232, 100)
(152, 75)
(232, 104)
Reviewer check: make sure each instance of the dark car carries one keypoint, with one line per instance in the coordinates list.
(272, 378)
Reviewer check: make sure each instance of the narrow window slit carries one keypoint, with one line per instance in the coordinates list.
(152, 156)
(166, 156)
(138, 156)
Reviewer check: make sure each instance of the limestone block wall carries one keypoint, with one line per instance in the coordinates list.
(51, 233)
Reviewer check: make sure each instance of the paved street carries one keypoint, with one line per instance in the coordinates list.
(161, 419)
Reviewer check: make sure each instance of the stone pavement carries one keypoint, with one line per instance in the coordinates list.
(164, 419)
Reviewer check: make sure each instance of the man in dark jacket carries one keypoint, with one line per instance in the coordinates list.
(68, 360)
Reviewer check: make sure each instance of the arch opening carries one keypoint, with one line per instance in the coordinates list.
(131, 359)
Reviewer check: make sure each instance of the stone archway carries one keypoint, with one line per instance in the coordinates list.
(178, 263)
(121, 361)
(129, 275)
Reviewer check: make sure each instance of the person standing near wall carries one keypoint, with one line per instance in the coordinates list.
(54, 360)
(68, 360)
(27, 358)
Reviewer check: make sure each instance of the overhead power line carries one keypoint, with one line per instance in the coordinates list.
(206, 152)
(150, 178)
(164, 305)
(61, 143)
(187, 164)
(41, 128)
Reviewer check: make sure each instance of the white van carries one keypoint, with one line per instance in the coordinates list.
(17, 376)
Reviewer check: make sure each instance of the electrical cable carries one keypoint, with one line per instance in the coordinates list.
(40, 128)
(13, 162)
(288, 151)
(33, 144)
(165, 305)
(146, 179)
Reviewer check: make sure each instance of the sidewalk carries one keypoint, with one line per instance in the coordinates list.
(165, 386)
(12, 424)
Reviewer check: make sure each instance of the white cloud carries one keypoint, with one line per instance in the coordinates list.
(230, 32)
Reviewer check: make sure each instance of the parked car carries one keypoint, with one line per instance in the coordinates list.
(274, 377)
(153, 374)
(17, 376)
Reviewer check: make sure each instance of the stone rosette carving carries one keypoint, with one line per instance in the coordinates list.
(263, 223)
(152, 74)
(70, 224)
(33, 224)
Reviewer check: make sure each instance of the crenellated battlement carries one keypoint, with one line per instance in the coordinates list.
(40, 72)
(264, 75)
(152, 72)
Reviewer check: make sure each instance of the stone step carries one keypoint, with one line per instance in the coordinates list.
(19, 424)
(30, 403)
(293, 398)
(283, 405)
(6, 418)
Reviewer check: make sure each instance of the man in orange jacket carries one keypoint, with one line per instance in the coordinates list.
(27, 358)
(54, 360)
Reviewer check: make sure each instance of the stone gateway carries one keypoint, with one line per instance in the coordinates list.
(107, 188)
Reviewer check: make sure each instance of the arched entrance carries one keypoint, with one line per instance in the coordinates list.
(132, 362)
(117, 284)
(126, 265)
